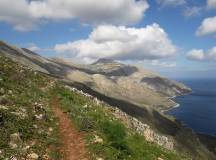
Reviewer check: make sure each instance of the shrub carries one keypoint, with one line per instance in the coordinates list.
(116, 133)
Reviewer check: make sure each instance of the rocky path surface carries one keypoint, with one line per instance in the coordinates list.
(73, 146)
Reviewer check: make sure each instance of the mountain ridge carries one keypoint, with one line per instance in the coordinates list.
(124, 91)
(104, 60)
(115, 75)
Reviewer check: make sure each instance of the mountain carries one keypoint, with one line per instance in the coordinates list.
(37, 121)
(108, 77)
(137, 92)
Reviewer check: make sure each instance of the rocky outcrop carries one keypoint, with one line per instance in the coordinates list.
(133, 123)
(165, 86)
(145, 130)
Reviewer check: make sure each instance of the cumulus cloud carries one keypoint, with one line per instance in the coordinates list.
(122, 43)
(25, 15)
(211, 4)
(200, 55)
(196, 54)
(17, 14)
(165, 3)
(207, 27)
(33, 47)
(192, 11)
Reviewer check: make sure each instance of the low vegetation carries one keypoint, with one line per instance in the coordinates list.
(29, 129)
(106, 136)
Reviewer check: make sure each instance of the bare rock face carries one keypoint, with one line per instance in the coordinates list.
(109, 77)
(130, 83)
(166, 86)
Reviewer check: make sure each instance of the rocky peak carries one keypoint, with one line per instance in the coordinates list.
(104, 61)
(111, 67)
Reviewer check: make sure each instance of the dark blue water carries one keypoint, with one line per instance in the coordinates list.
(198, 110)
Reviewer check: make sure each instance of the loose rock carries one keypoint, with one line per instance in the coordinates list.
(3, 100)
(15, 140)
(32, 156)
(2, 91)
(97, 139)
(3, 107)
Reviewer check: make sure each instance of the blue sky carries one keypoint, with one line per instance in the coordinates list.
(76, 35)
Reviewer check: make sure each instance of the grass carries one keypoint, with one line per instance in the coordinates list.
(26, 94)
(119, 143)
(23, 88)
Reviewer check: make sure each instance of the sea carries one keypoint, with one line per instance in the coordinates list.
(197, 110)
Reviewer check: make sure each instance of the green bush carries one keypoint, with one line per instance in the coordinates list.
(115, 133)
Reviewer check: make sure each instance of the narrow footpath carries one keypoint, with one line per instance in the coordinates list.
(73, 146)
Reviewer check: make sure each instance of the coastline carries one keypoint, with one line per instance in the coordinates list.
(170, 107)
(176, 105)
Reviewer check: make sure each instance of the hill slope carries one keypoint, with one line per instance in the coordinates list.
(107, 77)
(137, 92)
(29, 128)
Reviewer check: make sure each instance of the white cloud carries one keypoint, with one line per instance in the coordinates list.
(165, 3)
(192, 11)
(211, 4)
(25, 15)
(121, 43)
(200, 55)
(196, 55)
(164, 64)
(17, 14)
(208, 26)
(33, 47)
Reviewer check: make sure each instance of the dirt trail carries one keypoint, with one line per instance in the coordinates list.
(73, 146)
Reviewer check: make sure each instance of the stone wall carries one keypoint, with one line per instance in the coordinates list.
(133, 123)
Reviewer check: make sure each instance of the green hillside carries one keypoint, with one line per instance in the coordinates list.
(29, 127)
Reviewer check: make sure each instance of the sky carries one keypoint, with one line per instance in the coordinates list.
(174, 37)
